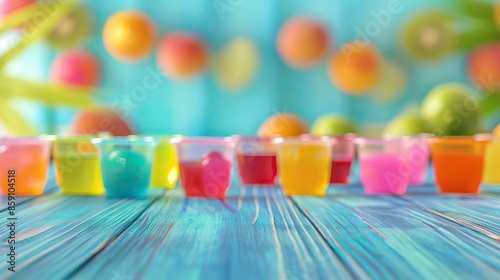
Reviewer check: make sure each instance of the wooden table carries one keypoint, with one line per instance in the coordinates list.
(257, 233)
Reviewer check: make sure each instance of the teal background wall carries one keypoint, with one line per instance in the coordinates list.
(200, 107)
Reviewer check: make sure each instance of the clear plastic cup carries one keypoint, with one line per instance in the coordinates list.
(342, 157)
(256, 161)
(165, 164)
(205, 165)
(126, 165)
(384, 165)
(458, 163)
(24, 165)
(76, 163)
(304, 165)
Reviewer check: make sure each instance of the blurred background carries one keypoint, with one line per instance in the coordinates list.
(224, 67)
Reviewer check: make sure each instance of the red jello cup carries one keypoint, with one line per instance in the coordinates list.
(205, 165)
(256, 161)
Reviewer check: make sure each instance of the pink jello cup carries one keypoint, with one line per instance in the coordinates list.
(384, 165)
(205, 165)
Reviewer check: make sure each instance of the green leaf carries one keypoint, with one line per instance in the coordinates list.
(51, 94)
(476, 35)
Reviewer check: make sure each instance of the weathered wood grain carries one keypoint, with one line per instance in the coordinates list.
(259, 235)
(480, 213)
(491, 190)
(381, 237)
(55, 234)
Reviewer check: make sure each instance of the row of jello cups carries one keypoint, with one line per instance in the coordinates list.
(128, 166)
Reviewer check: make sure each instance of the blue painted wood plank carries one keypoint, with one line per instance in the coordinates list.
(57, 234)
(480, 213)
(492, 190)
(259, 235)
(381, 237)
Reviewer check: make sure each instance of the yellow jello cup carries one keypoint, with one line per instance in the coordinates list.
(304, 165)
(491, 174)
(77, 166)
(165, 164)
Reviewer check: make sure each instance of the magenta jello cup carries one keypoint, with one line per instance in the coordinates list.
(205, 165)
(384, 165)
(256, 161)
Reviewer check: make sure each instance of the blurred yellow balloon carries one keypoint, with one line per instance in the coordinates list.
(392, 82)
(237, 63)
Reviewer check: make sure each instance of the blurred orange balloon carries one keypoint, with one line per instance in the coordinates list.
(355, 68)
(283, 124)
(129, 35)
(302, 42)
(182, 55)
(91, 122)
(484, 67)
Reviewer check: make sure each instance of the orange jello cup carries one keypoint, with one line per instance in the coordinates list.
(458, 163)
(24, 165)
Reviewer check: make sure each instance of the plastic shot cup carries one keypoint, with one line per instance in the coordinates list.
(205, 165)
(24, 165)
(126, 165)
(458, 163)
(165, 171)
(384, 165)
(256, 161)
(304, 165)
(76, 163)
(342, 157)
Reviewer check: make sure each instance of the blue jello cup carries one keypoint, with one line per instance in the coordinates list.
(126, 165)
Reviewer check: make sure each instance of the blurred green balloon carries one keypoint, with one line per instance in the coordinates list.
(452, 108)
(408, 123)
(332, 125)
